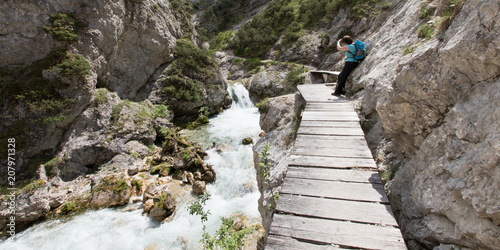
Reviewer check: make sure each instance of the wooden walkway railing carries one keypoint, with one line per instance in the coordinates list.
(332, 195)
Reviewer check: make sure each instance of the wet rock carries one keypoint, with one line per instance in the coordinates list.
(199, 187)
(111, 191)
(223, 147)
(133, 171)
(247, 141)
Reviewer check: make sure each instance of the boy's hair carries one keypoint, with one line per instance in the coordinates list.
(347, 39)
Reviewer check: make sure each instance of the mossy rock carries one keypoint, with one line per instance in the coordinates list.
(247, 141)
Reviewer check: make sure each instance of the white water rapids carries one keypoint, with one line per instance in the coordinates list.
(234, 192)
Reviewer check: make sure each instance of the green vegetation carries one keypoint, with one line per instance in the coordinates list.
(100, 96)
(33, 185)
(160, 111)
(261, 33)
(407, 50)
(427, 30)
(228, 236)
(263, 105)
(68, 207)
(425, 12)
(295, 77)
(222, 40)
(264, 164)
(203, 114)
(64, 27)
(223, 14)
(51, 165)
(290, 17)
(113, 183)
(388, 174)
(75, 205)
(183, 10)
(72, 65)
(252, 64)
(190, 68)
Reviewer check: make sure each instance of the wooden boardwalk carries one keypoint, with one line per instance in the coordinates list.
(332, 196)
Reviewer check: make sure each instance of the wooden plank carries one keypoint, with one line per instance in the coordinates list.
(332, 114)
(325, 72)
(362, 212)
(332, 124)
(347, 234)
(330, 144)
(328, 141)
(329, 106)
(351, 175)
(336, 190)
(330, 131)
(331, 162)
(281, 243)
(339, 118)
(340, 152)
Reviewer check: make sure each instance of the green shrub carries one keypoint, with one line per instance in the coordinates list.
(160, 111)
(113, 183)
(388, 174)
(263, 105)
(427, 31)
(407, 50)
(101, 96)
(64, 27)
(261, 33)
(192, 61)
(182, 88)
(292, 33)
(68, 207)
(222, 15)
(33, 185)
(295, 77)
(252, 63)
(227, 236)
(222, 40)
(115, 111)
(72, 65)
(424, 11)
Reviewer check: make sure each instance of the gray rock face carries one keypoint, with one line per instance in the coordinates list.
(449, 192)
(279, 111)
(125, 41)
(108, 128)
(280, 139)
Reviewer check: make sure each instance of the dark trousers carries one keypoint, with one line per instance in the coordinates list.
(348, 67)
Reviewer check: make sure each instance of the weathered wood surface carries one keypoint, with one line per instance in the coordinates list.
(368, 213)
(325, 72)
(332, 196)
(329, 174)
(335, 189)
(340, 233)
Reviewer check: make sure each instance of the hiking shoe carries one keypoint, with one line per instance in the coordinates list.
(336, 94)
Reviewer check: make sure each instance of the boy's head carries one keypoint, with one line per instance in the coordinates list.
(347, 40)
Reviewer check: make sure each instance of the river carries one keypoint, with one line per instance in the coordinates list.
(234, 192)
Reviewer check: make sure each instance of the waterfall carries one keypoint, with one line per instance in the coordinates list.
(234, 192)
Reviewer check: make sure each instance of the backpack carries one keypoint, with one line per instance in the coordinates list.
(360, 53)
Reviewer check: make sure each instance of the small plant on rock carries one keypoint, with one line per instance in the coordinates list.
(264, 164)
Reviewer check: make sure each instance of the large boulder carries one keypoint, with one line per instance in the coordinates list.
(112, 190)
